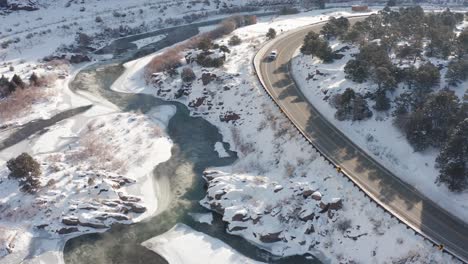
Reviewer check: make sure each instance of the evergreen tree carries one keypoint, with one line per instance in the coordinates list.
(33, 79)
(27, 170)
(17, 81)
(462, 43)
(426, 77)
(453, 159)
(382, 103)
(335, 27)
(457, 72)
(271, 34)
(357, 70)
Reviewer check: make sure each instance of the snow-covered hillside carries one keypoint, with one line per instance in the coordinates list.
(280, 194)
(378, 136)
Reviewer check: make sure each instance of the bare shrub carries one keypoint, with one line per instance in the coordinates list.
(344, 225)
(20, 101)
(45, 80)
(188, 75)
(98, 154)
(289, 169)
(164, 62)
(234, 40)
(171, 57)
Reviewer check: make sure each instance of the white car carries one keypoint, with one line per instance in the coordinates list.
(273, 55)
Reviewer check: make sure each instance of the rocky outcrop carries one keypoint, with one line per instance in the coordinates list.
(79, 58)
(207, 77)
(309, 230)
(240, 216)
(197, 102)
(336, 204)
(134, 207)
(219, 194)
(67, 230)
(317, 196)
(270, 237)
(306, 215)
(70, 221)
(237, 228)
(229, 116)
(307, 193)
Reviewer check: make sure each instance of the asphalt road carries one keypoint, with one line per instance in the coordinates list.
(399, 198)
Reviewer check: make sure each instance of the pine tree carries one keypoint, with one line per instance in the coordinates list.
(18, 81)
(453, 159)
(33, 79)
(271, 34)
(382, 103)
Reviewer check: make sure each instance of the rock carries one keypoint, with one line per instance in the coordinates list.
(42, 226)
(67, 230)
(79, 58)
(324, 207)
(128, 198)
(118, 217)
(309, 230)
(237, 228)
(73, 221)
(217, 207)
(134, 207)
(336, 204)
(307, 193)
(306, 215)
(30, 6)
(317, 196)
(271, 237)
(210, 174)
(197, 102)
(229, 116)
(239, 216)
(219, 194)
(277, 188)
(208, 77)
(93, 225)
(111, 203)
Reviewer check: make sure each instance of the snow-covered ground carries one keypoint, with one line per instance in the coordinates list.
(280, 194)
(377, 135)
(183, 245)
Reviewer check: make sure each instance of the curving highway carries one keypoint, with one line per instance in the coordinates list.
(399, 198)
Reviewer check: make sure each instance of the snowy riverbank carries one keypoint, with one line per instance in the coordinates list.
(280, 194)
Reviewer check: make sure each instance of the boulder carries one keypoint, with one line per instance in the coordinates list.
(310, 229)
(239, 216)
(317, 196)
(79, 58)
(67, 230)
(217, 207)
(207, 77)
(336, 204)
(229, 116)
(237, 228)
(92, 224)
(306, 215)
(219, 194)
(270, 237)
(70, 221)
(128, 198)
(134, 207)
(307, 193)
(277, 188)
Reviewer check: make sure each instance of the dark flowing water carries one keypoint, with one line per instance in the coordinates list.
(192, 152)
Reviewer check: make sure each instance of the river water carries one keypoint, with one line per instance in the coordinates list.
(193, 151)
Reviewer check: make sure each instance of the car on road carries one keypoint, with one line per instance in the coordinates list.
(273, 54)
